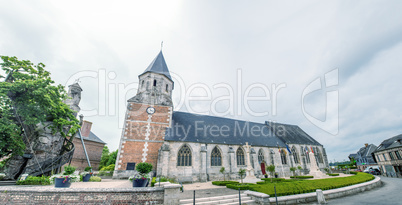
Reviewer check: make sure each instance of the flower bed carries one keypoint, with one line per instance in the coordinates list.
(290, 187)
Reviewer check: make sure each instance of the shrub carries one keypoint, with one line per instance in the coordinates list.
(105, 173)
(237, 186)
(302, 177)
(333, 174)
(30, 180)
(95, 179)
(143, 168)
(87, 169)
(224, 183)
(290, 187)
(108, 168)
(68, 170)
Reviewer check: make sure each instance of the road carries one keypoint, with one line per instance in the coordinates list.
(389, 193)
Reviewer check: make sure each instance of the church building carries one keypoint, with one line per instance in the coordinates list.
(195, 147)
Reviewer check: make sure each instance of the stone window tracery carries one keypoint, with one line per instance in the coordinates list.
(240, 156)
(216, 157)
(184, 156)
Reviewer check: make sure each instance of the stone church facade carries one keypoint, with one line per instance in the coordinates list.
(195, 147)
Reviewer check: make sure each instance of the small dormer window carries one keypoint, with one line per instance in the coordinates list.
(167, 88)
(154, 82)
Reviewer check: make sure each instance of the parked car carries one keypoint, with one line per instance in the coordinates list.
(374, 171)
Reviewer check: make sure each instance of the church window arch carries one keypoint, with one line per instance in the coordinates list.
(283, 157)
(308, 156)
(319, 156)
(154, 83)
(295, 155)
(184, 156)
(261, 157)
(271, 154)
(142, 83)
(240, 156)
(167, 88)
(216, 157)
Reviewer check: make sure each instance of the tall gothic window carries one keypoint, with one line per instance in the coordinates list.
(295, 155)
(283, 157)
(261, 157)
(184, 156)
(308, 157)
(240, 156)
(272, 156)
(216, 157)
(167, 88)
(154, 82)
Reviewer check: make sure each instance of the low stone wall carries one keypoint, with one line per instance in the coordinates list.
(329, 194)
(51, 195)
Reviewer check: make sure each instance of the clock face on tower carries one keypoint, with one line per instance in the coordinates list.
(150, 110)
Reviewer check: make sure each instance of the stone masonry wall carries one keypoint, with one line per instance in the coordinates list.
(32, 195)
(197, 170)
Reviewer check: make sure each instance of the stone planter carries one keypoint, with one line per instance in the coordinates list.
(276, 176)
(140, 182)
(62, 182)
(86, 178)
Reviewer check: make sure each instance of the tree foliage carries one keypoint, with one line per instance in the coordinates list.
(107, 158)
(28, 96)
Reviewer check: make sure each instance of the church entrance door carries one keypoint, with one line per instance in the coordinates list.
(263, 168)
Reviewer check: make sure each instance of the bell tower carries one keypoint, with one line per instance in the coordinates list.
(148, 115)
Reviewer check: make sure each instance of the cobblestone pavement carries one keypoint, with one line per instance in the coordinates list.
(205, 190)
(389, 193)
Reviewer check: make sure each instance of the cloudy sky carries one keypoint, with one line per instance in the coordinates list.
(336, 66)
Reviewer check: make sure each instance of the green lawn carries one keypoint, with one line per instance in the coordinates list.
(290, 186)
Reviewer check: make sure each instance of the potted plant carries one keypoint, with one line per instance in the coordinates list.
(266, 175)
(142, 179)
(64, 181)
(86, 175)
(276, 174)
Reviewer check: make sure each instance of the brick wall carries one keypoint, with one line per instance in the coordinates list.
(140, 129)
(94, 150)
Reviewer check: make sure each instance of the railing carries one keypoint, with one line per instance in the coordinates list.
(48, 165)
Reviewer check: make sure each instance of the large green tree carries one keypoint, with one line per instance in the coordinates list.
(28, 96)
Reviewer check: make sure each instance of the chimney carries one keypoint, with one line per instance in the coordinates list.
(366, 144)
(86, 128)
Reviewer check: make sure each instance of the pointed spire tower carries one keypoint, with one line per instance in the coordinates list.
(148, 115)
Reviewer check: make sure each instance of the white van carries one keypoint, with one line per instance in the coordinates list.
(371, 167)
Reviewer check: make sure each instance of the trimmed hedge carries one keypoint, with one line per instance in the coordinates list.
(30, 180)
(333, 175)
(302, 177)
(290, 187)
(244, 186)
(224, 183)
(273, 179)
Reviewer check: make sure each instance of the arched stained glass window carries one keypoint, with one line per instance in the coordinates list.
(216, 157)
(295, 156)
(261, 157)
(184, 156)
(283, 157)
(240, 156)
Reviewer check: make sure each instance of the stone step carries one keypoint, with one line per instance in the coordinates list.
(7, 183)
(248, 202)
(215, 198)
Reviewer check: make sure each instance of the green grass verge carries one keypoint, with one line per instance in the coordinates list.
(224, 183)
(290, 187)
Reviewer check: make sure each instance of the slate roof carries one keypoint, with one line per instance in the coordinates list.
(92, 137)
(291, 134)
(188, 127)
(390, 143)
(158, 65)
